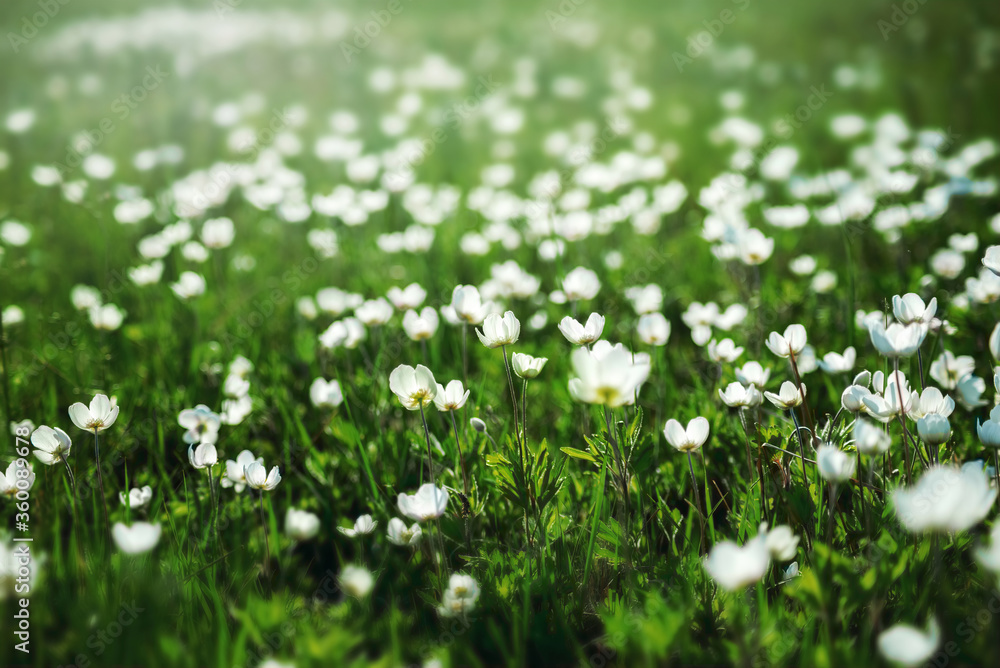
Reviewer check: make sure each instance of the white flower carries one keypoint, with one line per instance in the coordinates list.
(408, 298)
(885, 405)
(428, 503)
(989, 431)
(136, 539)
(363, 526)
(499, 331)
(910, 309)
(203, 456)
(752, 373)
(737, 396)
(989, 556)
(450, 397)
(201, 423)
(189, 285)
(526, 366)
(653, 329)
(356, 581)
(948, 369)
(236, 470)
(325, 393)
(581, 283)
(8, 481)
(645, 299)
(85, 297)
(789, 395)
(99, 416)
(468, 305)
(869, 439)
(374, 312)
(422, 325)
(837, 363)
(934, 429)
(908, 646)
(301, 525)
(218, 233)
(413, 387)
(897, 340)
(834, 464)
(723, 351)
(460, 597)
(735, 567)
(789, 344)
(579, 334)
(970, 391)
(946, 498)
(137, 497)
(931, 400)
(991, 260)
(687, 439)
(235, 386)
(781, 542)
(260, 478)
(399, 534)
(608, 376)
(51, 445)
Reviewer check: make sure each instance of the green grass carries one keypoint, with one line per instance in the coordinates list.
(601, 581)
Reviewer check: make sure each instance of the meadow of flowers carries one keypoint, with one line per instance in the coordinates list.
(509, 334)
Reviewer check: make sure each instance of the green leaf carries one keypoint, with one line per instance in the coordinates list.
(579, 454)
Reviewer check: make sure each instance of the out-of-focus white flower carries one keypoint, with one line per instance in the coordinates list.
(734, 567)
(136, 539)
(356, 581)
(325, 393)
(460, 597)
(363, 526)
(399, 534)
(908, 646)
(946, 499)
(834, 464)
(301, 525)
(428, 503)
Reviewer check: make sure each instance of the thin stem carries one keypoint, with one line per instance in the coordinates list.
(802, 446)
(902, 419)
(802, 391)
(524, 411)
(267, 545)
(697, 501)
(513, 397)
(100, 486)
(461, 457)
(211, 487)
(920, 367)
(427, 436)
(746, 437)
(465, 353)
(996, 465)
(829, 520)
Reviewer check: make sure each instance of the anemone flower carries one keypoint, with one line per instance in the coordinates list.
(138, 538)
(945, 499)
(100, 415)
(908, 646)
(585, 334)
(301, 525)
(734, 567)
